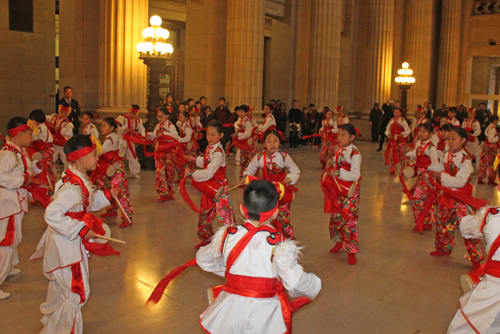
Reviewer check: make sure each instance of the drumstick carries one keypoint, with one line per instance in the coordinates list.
(110, 239)
(335, 179)
(234, 187)
(123, 210)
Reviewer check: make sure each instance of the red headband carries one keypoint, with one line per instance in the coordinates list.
(339, 108)
(15, 131)
(420, 109)
(119, 124)
(471, 109)
(65, 108)
(263, 216)
(135, 111)
(73, 156)
(357, 132)
(95, 116)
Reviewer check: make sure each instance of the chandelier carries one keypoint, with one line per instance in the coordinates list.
(155, 44)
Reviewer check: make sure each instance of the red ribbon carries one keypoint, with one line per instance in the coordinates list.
(185, 196)
(460, 194)
(8, 240)
(75, 155)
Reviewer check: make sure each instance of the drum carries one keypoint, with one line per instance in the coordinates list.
(342, 188)
(410, 171)
(210, 188)
(105, 168)
(107, 234)
(470, 280)
(35, 156)
(288, 196)
(244, 144)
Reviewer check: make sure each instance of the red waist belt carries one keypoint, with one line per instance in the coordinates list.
(491, 268)
(471, 137)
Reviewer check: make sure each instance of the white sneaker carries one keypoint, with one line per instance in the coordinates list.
(136, 176)
(14, 271)
(4, 295)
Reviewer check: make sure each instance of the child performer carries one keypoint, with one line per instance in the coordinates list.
(252, 300)
(416, 123)
(454, 172)
(187, 141)
(111, 154)
(43, 143)
(245, 130)
(442, 145)
(88, 127)
(133, 124)
(274, 163)
(426, 154)
(341, 119)
(346, 166)
(480, 307)
(452, 117)
(397, 131)
(15, 172)
(269, 121)
(473, 128)
(328, 132)
(489, 153)
(65, 262)
(213, 164)
(164, 161)
(62, 130)
(237, 126)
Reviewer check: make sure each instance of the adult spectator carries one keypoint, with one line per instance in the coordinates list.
(441, 112)
(75, 107)
(313, 117)
(388, 108)
(427, 110)
(375, 120)
(305, 126)
(483, 117)
(281, 117)
(203, 101)
(222, 114)
(294, 117)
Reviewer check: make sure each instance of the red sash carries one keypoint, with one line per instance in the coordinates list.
(59, 139)
(392, 147)
(471, 138)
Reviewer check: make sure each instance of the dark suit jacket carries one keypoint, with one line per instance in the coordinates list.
(75, 112)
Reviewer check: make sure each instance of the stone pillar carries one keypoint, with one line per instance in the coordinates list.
(245, 52)
(122, 75)
(449, 53)
(205, 65)
(419, 51)
(380, 51)
(326, 24)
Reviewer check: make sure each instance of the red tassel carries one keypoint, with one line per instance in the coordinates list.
(299, 302)
(160, 288)
(186, 197)
(100, 249)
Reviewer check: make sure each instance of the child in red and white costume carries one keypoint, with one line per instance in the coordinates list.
(328, 132)
(257, 265)
(397, 132)
(212, 167)
(480, 307)
(274, 164)
(244, 133)
(61, 129)
(455, 200)
(131, 123)
(416, 123)
(452, 117)
(15, 172)
(187, 140)
(341, 119)
(489, 153)
(111, 153)
(164, 161)
(473, 128)
(269, 121)
(43, 143)
(88, 127)
(442, 145)
(65, 259)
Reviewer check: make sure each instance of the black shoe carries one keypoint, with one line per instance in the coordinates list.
(379, 149)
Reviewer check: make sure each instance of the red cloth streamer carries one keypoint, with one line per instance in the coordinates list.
(133, 137)
(186, 197)
(77, 281)
(405, 188)
(16, 130)
(39, 194)
(75, 155)
(311, 136)
(8, 240)
(331, 205)
(459, 195)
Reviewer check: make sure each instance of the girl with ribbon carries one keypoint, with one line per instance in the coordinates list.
(165, 132)
(212, 167)
(341, 119)
(423, 196)
(416, 123)
(43, 143)
(131, 124)
(452, 117)
(440, 139)
(328, 132)
(473, 128)
(455, 200)
(274, 164)
(346, 166)
(269, 121)
(489, 153)
(70, 226)
(61, 129)
(397, 132)
(187, 141)
(16, 170)
(244, 138)
(111, 154)
(88, 127)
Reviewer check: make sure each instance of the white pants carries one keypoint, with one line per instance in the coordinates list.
(474, 149)
(63, 308)
(133, 163)
(59, 152)
(237, 157)
(459, 325)
(8, 254)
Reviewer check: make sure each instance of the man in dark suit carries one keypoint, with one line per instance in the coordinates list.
(75, 107)
(388, 108)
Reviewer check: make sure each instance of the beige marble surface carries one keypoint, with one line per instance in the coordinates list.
(396, 286)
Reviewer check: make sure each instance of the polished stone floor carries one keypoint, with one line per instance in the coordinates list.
(396, 287)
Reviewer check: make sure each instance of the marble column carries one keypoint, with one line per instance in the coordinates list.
(122, 75)
(245, 52)
(449, 54)
(419, 50)
(380, 51)
(326, 25)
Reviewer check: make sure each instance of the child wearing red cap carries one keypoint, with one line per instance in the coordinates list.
(61, 129)
(132, 124)
(88, 127)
